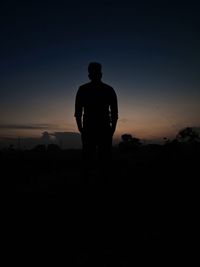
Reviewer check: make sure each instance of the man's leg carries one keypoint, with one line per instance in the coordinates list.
(88, 155)
(105, 157)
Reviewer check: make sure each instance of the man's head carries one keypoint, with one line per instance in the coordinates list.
(94, 70)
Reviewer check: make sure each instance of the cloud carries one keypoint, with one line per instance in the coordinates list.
(29, 126)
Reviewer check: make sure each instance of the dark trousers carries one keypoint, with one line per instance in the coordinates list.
(96, 150)
(96, 145)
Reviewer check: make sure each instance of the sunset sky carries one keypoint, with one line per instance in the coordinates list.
(149, 50)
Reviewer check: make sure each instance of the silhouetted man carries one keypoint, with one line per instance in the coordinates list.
(96, 115)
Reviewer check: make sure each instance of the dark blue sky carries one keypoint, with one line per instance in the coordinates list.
(149, 51)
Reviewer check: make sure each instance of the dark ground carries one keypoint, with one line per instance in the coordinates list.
(51, 171)
(133, 218)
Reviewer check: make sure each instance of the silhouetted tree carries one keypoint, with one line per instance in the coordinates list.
(166, 140)
(185, 146)
(126, 138)
(45, 138)
(39, 148)
(11, 147)
(189, 135)
(129, 143)
(53, 148)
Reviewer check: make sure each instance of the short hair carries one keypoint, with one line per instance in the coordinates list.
(94, 67)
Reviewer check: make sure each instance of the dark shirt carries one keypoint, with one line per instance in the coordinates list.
(97, 103)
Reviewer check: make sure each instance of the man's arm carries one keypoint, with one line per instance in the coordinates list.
(79, 111)
(113, 111)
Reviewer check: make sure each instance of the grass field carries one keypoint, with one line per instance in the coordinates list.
(115, 216)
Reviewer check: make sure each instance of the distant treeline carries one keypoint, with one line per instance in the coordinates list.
(188, 136)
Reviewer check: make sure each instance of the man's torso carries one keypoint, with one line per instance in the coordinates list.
(96, 99)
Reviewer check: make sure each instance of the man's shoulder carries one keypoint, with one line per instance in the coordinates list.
(84, 86)
(107, 87)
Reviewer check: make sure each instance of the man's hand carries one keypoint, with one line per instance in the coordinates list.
(112, 130)
(80, 129)
(113, 126)
(79, 124)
